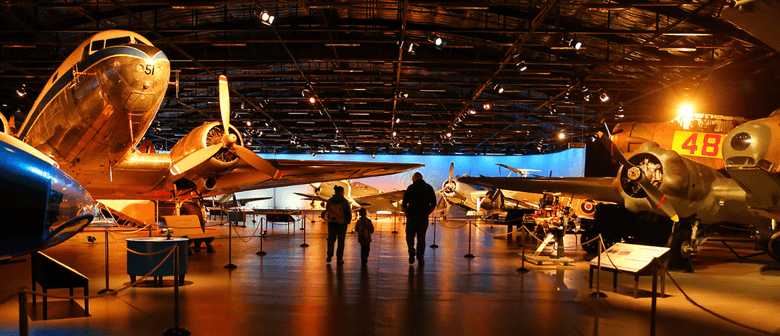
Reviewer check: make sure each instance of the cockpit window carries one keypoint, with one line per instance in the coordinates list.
(96, 45)
(137, 41)
(117, 41)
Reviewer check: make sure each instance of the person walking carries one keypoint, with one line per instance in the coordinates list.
(364, 229)
(418, 202)
(339, 215)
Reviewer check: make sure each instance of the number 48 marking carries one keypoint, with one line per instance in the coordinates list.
(708, 148)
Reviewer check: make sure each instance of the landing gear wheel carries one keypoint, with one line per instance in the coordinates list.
(680, 247)
(773, 246)
(588, 234)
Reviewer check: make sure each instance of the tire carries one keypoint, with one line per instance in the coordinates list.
(193, 208)
(678, 243)
(773, 246)
(588, 234)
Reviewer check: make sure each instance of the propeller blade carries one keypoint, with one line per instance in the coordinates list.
(194, 159)
(257, 162)
(224, 102)
(656, 196)
(613, 149)
(452, 169)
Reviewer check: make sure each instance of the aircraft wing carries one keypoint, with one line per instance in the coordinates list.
(308, 197)
(391, 196)
(597, 188)
(293, 172)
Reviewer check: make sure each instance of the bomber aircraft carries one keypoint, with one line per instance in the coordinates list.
(695, 196)
(97, 106)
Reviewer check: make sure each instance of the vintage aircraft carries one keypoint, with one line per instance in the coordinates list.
(693, 135)
(693, 195)
(359, 195)
(97, 106)
(43, 205)
(483, 201)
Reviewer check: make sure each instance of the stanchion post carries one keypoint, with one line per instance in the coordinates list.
(24, 326)
(261, 252)
(434, 233)
(598, 292)
(230, 264)
(107, 289)
(469, 255)
(522, 258)
(653, 304)
(176, 330)
(304, 232)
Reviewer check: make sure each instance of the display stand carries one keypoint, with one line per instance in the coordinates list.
(52, 274)
(634, 260)
(140, 265)
(261, 252)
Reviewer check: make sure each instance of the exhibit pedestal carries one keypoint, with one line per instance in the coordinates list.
(140, 265)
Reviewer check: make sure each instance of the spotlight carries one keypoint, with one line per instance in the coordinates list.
(586, 97)
(411, 48)
(397, 120)
(521, 66)
(685, 110)
(603, 97)
(620, 107)
(498, 88)
(312, 100)
(561, 135)
(487, 106)
(313, 153)
(243, 107)
(437, 41)
(472, 111)
(394, 134)
(265, 17)
(553, 108)
(373, 155)
(584, 89)
(249, 123)
(23, 91)
(403, 94)
(574, 44)
(449, 134)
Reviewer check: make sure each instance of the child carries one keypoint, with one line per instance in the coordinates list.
(364, 228)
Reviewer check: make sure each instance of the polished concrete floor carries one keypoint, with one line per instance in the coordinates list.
(293, 291)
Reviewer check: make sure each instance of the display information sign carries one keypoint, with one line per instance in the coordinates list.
(629, 257)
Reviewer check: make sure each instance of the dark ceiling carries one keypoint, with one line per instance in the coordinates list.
(646, 56)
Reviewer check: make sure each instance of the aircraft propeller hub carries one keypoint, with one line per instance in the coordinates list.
(634, 173)
(231, 139)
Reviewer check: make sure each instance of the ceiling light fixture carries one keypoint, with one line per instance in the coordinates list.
(521, 66)
(487, 105)
(498, 88)
(22, 91)
(472, 111)
(603, 96)
(265, 17)
(437, 41)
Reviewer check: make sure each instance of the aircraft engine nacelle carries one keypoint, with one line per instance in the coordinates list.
(205, 175)
(685, 183)
(751, 155)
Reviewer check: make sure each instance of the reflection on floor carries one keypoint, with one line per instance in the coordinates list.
(293, 291)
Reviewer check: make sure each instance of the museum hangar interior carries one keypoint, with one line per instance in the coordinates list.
(482, 82)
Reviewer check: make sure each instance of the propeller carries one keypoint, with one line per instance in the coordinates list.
(229, 140)
(449, 185)
(635, 174)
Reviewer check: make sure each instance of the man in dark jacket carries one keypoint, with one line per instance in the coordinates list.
(419, 201)
(338, 230)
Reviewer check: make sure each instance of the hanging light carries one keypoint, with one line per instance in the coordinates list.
(22, 91)
(397, 120)
(586, 97)
(472, 111)
(521, 66)
(265, 17)
(603, 96)
(411, 49)
(487, 105)
(249, 123)
(498, 88)
(449, 134)
(312, 100)
(437, 41)
(403, 94)
(562, 135)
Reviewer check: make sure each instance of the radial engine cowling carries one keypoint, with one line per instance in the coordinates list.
(208, 134)
(681, 180)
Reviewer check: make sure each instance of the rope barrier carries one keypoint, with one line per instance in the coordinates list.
(497, 234)
(132, 251)
(442, 221)
(712, 312)
(119, 289)
(242, 238)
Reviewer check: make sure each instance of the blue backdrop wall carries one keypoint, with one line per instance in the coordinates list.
(568, 163)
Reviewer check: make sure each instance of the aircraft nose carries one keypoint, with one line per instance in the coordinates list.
(747, 145)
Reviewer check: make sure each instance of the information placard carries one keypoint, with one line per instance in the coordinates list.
(630, 257)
